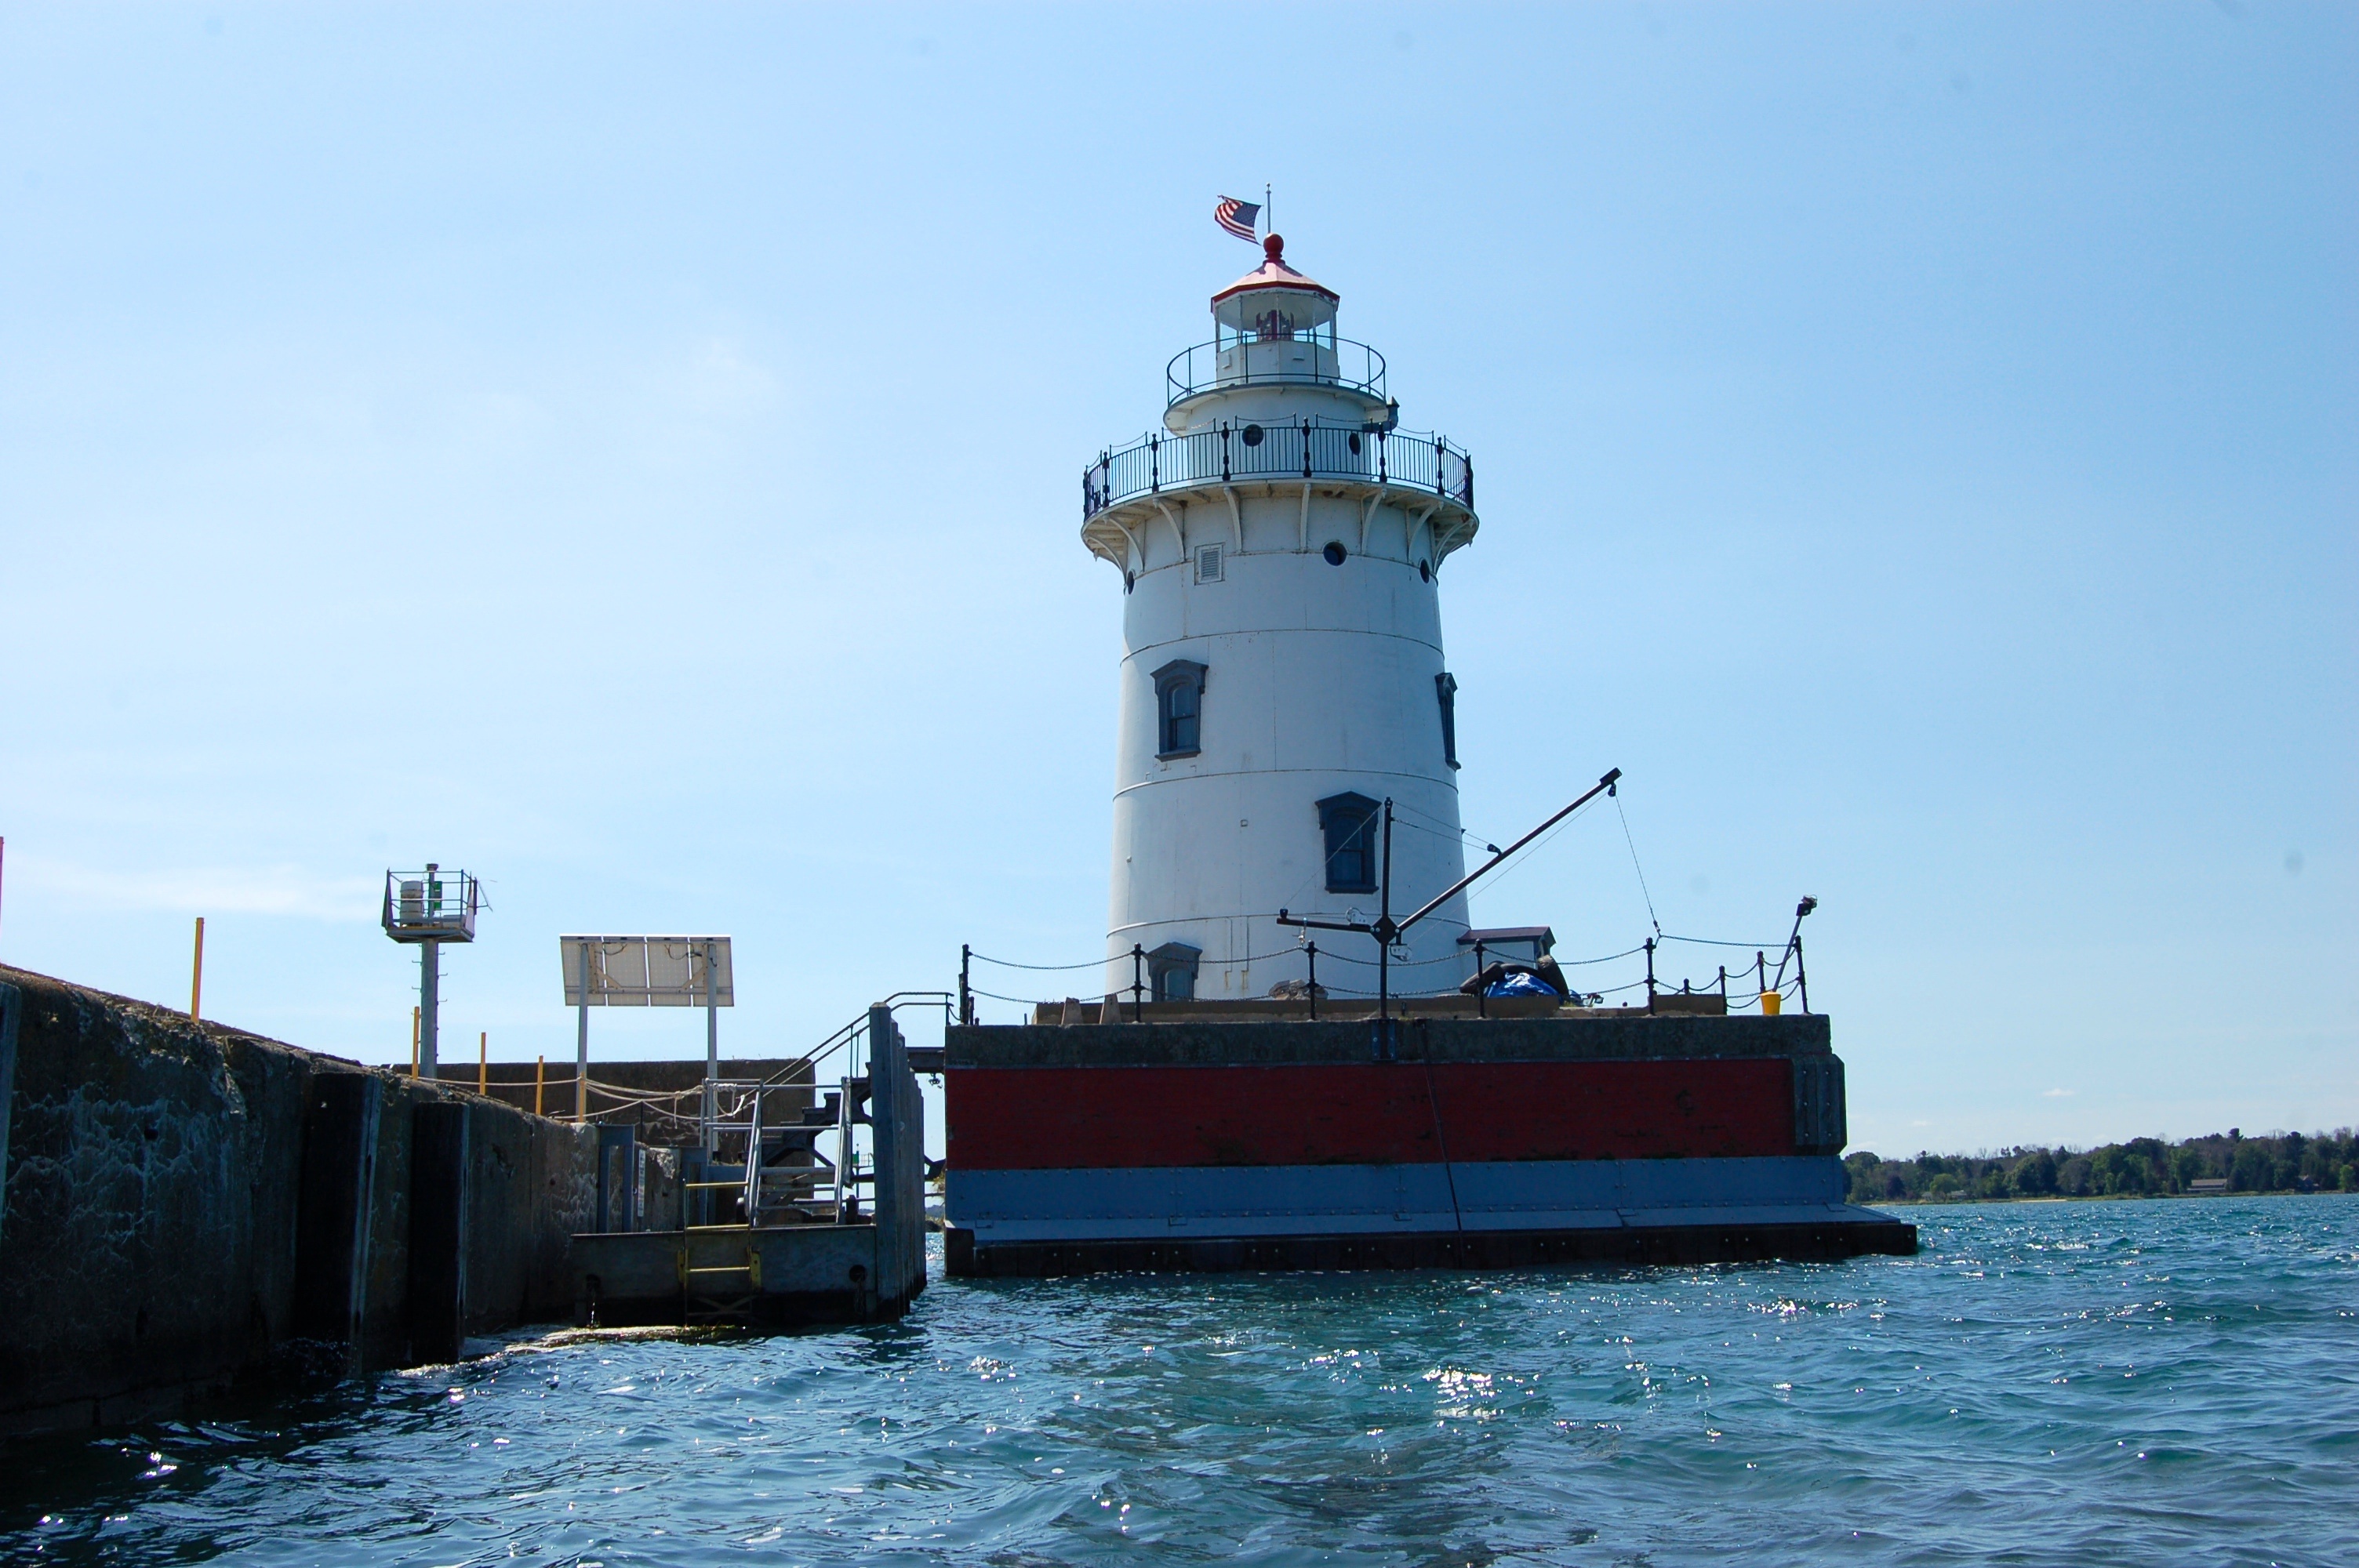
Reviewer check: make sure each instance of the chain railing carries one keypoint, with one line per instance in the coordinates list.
(1299, 449)
(1749, 986)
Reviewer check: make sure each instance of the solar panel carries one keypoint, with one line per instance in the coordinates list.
(646, 971)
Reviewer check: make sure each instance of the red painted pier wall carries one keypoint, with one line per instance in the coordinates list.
(1286, 1143)
(1371, 1113)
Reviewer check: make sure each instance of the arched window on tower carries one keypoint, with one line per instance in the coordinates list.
(1172, 972)
(1179, 709)
(1349, 823)
(1445, 686)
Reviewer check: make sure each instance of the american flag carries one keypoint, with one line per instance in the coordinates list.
(1238, 217)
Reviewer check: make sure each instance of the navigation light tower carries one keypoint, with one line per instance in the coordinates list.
(429, 908)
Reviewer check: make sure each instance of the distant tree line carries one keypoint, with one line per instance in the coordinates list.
(2279, 1162)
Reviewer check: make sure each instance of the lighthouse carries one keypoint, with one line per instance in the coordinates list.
(1281, 542)
(1285, 696)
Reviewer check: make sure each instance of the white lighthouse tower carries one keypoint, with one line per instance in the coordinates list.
(1281, 542)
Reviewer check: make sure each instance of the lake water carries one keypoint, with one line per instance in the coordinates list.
(2157, 1382)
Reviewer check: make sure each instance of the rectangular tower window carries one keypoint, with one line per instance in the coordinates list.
(1349, 823)
(1445, 686)
(1179, 709)
(1207, 563)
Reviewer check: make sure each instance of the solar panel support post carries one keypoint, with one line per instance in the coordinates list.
(713, 1053)
(582, 1047)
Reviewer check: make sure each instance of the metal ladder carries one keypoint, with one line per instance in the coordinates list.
(720, 1273)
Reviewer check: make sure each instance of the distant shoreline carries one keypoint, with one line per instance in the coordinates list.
(2220, 1164)
(1955, 1198)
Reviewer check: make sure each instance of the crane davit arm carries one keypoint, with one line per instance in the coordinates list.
(1603, 786)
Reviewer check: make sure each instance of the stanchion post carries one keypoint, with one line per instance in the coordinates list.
(414, 1015)
(1137, 983)
(539, 1081)
(483, 1062)
(197, 974)
(1313, 947)
(966, 998)
(1650, 973)
(1482, 1003)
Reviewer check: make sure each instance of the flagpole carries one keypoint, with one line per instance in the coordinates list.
(1268, 219)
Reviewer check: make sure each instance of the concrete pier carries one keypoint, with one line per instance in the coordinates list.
(187, 1206)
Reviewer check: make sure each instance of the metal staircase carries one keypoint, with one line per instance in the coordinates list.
(784, 1178)
(791, 1180)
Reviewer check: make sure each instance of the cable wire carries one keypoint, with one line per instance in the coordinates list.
(1010, 964)
(1635, 866)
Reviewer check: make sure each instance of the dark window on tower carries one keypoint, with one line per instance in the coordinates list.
(1349, 824)
(1179, 709)
(1445, 686)
(1172, 972)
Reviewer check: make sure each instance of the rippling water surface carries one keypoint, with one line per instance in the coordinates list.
(2119, 1383)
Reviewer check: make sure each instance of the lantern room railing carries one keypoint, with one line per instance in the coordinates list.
(1305, 449)
(1308, 359)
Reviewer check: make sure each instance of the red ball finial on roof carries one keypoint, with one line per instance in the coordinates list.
(1274, 247)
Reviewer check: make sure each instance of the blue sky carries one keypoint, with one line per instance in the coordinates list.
(631, 452)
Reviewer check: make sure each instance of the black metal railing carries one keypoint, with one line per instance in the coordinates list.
(1259, 361)
(1307, 449)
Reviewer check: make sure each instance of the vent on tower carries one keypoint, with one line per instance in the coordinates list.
(1207, 563)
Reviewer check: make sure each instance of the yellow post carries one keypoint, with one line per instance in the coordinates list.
(196, 973)
(581, 1096)
(1769, 1001)
(413, 1041)
(483, 1062)
(539, 1081)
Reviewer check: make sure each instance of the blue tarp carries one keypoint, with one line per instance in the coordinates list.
(1520, 985)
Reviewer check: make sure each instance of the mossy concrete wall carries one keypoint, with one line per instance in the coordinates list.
(149, 1239)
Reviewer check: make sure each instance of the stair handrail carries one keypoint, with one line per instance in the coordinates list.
(854, 1029)
(753, 1163)
(847, 1170)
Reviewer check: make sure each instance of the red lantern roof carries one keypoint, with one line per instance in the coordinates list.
(1274, 273)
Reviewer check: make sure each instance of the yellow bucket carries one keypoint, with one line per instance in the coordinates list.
(1769, 1001)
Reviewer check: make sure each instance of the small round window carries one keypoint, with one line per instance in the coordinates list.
(1355, 444)
(1334, 553)
(1254, 434)
(1128, 582)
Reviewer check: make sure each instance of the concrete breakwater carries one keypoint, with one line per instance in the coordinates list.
(187, 1206)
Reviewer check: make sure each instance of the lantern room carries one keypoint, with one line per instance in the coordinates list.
(1274, 303)
(1273, 325)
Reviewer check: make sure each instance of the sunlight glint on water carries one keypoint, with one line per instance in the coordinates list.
(2126, 1382)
